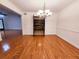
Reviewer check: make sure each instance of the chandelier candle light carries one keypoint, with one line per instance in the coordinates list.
(45, 12)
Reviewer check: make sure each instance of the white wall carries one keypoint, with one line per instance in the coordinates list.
(13, 21)
(27, 24)
(50, 24)
(68, 24)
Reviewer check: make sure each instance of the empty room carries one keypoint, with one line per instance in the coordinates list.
(39, 29)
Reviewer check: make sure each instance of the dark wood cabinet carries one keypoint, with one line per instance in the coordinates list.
(38, 25)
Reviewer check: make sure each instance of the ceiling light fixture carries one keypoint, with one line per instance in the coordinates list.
(45, 12)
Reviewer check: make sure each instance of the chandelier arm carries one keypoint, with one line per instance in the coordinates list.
(44, 12)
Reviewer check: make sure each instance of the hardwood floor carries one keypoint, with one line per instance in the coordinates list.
(11, 34)
(37, 47)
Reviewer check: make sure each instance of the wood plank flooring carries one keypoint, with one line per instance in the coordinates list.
(38, 47)
(10, 33)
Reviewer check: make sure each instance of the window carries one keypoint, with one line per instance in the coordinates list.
(1, 25)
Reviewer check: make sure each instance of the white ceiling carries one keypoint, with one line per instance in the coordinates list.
(34, 5)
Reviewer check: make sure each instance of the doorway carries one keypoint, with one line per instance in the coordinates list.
(38, 25)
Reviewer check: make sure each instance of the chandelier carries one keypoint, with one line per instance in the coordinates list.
(45, 12)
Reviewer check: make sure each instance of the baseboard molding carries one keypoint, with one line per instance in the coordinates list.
(67, 41)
